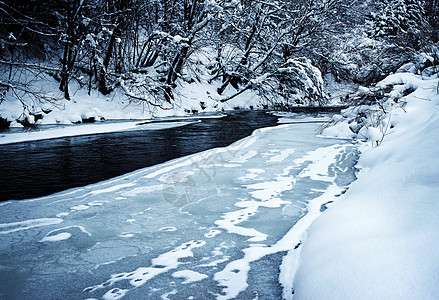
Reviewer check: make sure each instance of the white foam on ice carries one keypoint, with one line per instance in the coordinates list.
(253, 174)
(126, 235)
(245, 157)
(28, 224)
(79, 207)
(62, 214)
(267, 193)
(161, 264)
(140, 190)
(230, 220)
(96, 203)
(111, 189)
(50, 237)
(114, 294)
(215, 262)
(212, 233)
(57, 237)
(267, 190)
(169, 229)
(282, 156)
(189, 276)
(165, 296)
(321, 158)
(234, 276)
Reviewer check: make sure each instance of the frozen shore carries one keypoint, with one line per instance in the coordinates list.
(381, 239)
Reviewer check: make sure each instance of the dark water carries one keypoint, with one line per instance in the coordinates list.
(39, 168)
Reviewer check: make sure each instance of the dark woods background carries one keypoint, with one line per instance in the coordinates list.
(147, 48)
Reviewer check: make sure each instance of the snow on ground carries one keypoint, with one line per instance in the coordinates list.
(190, 99)
(83, 129)
(381, 239)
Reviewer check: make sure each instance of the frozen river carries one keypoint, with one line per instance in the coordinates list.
(36, 168)
(225, 223)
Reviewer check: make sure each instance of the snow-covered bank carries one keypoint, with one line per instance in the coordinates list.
(381, 240)
(76, 130)
(58, 131)
(191, 98)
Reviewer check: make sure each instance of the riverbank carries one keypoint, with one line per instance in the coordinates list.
(84, 107)
(380, 240)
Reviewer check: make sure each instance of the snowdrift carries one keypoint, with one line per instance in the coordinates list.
(381, 240)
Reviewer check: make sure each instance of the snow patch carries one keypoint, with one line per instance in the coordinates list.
(57, 237)
(28, 224)
(189, 276)
(81, 129)
(161, 264)
(282, 156)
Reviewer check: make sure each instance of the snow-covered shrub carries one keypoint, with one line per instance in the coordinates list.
(371, 116)
(299, 82)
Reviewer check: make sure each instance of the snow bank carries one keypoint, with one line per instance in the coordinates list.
(190, 98)
(77, 130)
(381, 240)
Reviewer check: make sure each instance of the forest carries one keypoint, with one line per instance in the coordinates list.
(282, 50)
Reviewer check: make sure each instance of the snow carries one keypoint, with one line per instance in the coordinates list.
(191, 99)
(169, 229)
(380, 240)
(280, 193)
(80, 207)
(189, 276)
(163, 263)
(282, 156)
(80, 129)
(7, 228)
(57, 237)
(340, 130)
(114, 294)
(234, 276)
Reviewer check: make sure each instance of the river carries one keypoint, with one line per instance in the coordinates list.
(216, 224)
(37, 168)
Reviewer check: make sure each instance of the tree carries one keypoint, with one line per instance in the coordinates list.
(402, 22)
(264, 38)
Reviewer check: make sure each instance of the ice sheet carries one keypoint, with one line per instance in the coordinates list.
(198, 226)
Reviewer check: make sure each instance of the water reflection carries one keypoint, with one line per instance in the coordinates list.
(38, 168)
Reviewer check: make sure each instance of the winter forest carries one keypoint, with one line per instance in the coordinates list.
(146, 49)
(219, 149)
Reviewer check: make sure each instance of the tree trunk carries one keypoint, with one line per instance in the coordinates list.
(103, 88)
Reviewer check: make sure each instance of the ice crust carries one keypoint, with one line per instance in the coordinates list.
(197, 226)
